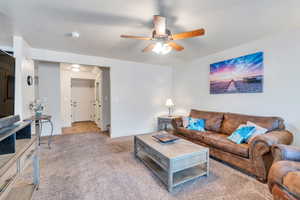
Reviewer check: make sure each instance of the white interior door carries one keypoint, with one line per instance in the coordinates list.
(82, 100)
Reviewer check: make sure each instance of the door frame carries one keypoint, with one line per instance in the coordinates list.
(66, 76)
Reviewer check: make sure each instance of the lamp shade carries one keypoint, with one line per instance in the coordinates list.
(169, 103)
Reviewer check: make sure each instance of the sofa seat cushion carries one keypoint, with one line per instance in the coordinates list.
(221, 142)
(216, 140)
(232, 121)
(292, 182)
(213, 120)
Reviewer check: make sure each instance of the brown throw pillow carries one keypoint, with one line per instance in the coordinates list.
(213, 120)
(213, 124)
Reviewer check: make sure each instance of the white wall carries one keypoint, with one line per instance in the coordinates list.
(281, 95)
(138, 95)
(49, 90)
(138, 91)
(24, 94)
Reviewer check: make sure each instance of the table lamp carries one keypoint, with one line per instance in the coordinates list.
(169, 104)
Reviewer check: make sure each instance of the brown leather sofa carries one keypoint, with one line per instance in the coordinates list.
(284, 176)
(255, 157)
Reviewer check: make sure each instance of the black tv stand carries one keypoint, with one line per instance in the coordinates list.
(8, 138)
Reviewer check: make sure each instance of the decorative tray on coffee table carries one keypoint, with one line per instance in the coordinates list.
(165, 137)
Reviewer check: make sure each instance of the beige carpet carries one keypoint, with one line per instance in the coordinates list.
(92, 166)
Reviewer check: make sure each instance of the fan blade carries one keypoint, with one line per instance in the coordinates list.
(149, 48)
(159, 23)
(189, 34)
(136, 37)
(175, 46)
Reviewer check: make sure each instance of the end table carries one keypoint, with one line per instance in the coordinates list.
(39, 121)
(165, 122)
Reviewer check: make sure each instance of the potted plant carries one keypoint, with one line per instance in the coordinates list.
(37, 107)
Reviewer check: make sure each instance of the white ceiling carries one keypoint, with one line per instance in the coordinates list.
(45, 24)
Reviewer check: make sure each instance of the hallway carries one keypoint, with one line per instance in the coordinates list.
(81, 127)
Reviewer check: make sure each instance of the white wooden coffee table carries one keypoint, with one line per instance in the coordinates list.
(173, 163)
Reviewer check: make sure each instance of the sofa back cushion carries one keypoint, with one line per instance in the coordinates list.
(232, 121)
(213, 120)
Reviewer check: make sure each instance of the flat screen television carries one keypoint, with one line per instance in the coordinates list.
(7, 84)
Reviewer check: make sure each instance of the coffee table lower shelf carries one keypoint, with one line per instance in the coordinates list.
(178, 177)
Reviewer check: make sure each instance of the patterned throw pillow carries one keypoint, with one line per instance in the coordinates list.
(241, 134)
(258, 131)
(185, 121)
(196, 124)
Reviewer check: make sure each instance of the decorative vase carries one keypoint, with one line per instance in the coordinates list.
(38, 114)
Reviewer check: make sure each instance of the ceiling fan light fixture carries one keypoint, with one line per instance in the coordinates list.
(164, 38)
(166, 49)
(157, 48)
(161, 48)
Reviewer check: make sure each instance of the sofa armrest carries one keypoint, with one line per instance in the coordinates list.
(177, 122)
(260, 150)
(271, 138)
(285, 152)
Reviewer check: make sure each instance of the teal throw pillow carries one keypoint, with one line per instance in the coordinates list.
(196, 124)
(241, 134)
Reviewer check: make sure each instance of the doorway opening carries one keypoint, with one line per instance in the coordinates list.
(85, 99)
(82, 100)
(83, 106)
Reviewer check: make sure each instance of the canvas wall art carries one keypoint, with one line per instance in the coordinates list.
(237, 75)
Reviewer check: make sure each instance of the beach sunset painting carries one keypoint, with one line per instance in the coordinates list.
(238, 75)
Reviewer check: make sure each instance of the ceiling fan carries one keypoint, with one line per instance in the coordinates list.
(164, 39)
